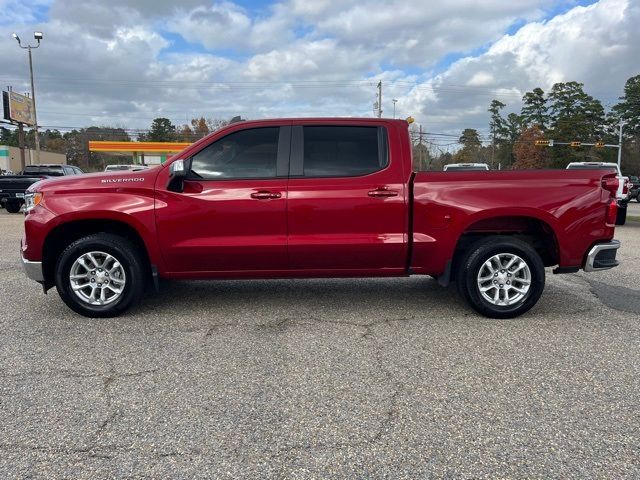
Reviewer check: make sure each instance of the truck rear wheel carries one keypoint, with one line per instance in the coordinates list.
(100, 275)
(12, 206)
(501, 277)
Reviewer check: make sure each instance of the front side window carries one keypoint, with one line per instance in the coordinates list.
(244, 154)
(343, 151)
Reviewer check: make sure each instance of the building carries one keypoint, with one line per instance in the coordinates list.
(10, 158)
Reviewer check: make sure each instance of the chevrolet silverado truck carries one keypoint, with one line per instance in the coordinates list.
(294, 198)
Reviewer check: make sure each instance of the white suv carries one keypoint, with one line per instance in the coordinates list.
(458, 167)
(623, 182)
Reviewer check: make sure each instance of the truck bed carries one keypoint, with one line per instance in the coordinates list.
(559, 203)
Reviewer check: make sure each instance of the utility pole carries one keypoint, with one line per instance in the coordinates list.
(620, 145)
(395, 100)
(421, 161)
(38, 36)
(23, 162)
(380, 99)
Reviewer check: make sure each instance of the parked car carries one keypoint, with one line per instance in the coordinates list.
(315, 198)
(13, 187)
(51, 170)
(622, 195)
(111, 168)
(465, 167)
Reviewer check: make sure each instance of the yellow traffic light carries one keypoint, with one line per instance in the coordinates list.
(544, 143)
(599, 144)
(576, 144)
(410, 120)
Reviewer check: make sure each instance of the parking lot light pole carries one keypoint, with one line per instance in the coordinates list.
(38, 36)
(620, 145)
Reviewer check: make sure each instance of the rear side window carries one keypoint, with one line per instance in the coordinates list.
(250, 153)
(337, 151)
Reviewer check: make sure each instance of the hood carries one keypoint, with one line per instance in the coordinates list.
(98, 181)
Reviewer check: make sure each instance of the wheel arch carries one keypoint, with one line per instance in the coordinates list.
(66, 233)
(533, 230)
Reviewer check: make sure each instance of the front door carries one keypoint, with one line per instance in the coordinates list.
(231, 215)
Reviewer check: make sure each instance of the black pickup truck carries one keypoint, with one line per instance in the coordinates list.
(12, 187)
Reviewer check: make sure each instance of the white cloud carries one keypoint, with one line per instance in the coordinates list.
(597, 45)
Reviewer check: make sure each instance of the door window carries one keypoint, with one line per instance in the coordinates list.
(337, 151)
(248, 153)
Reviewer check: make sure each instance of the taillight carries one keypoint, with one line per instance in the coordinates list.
(625, 187)
(612, 213)
(611, 184)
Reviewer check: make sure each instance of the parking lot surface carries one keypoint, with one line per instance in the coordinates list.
(370, 378)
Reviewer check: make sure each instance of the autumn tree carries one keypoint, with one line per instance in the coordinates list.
(527, 154)
(199, 128)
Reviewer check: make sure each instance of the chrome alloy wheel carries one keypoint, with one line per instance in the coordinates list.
(97, 278)
(504, 279)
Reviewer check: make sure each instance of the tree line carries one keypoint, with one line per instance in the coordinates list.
(75, 143)
(565, 113)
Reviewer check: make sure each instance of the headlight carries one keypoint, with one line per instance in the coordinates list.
(31, 200)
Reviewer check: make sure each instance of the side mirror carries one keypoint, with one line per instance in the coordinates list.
(177, 169)
(177, 174)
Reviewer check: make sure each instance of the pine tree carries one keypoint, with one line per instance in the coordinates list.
(534, 109)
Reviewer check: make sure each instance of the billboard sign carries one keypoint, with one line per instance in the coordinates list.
(18, 108)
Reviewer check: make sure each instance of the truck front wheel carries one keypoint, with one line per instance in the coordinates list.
(100, 275)
(501, 277)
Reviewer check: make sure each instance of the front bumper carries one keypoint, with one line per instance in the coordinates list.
(602, 256)
(33, 269)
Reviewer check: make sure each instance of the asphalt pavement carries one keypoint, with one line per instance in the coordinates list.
(370, 378)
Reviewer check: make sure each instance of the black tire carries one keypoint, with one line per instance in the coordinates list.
(12, 206)
(126, 253)
(472, 262)
(638, 198)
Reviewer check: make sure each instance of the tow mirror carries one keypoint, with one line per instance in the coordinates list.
(177, 174)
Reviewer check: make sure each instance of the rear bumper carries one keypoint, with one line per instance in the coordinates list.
(32, 269)
(602, 256)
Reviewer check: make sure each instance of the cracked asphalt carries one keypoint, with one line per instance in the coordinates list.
(371, 378)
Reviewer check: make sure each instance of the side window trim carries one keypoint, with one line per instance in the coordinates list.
(296, 165)
(296, 168)
(284, 152)
(282, 159)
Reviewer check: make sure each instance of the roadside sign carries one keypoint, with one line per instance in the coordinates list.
(18, 108)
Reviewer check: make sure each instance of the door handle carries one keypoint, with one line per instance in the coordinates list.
(383, 192)
(265, 195)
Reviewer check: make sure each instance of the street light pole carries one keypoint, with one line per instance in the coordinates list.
(38, 36)
(395, 100)
(620, 145)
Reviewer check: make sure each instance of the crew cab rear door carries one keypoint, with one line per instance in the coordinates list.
(347, 211)
(231, 215)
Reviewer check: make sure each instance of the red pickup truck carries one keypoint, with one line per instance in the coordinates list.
(330, 197)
